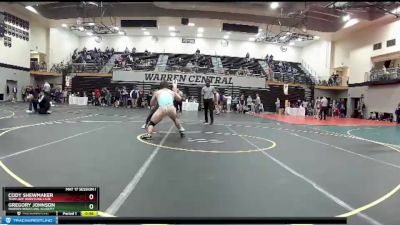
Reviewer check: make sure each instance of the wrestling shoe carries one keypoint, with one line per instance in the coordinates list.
(146, 137)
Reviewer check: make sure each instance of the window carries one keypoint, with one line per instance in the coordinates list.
(391, 43)
(377, 46)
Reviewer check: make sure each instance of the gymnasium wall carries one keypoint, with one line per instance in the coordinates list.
(318, 57)
(206, 46)
(356, 49)
(18, 53)
(333, 94)
(22, 78)
(382, 98)
(14, 60)
(39, 37)
(62, 44)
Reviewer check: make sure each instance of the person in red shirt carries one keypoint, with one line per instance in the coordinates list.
(97, 96)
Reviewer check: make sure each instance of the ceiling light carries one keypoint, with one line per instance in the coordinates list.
(288, 33)
(173, 34)
(351, 22)
(274, 5)
(346, 18)
(226, 36)
(89, 33)
(30, 8)
(200, 29)
(191, 24)
(92, 3)
(199, 35)
(252, 39)
(143, 28)
(116, 28)
(171, 28)
(81, 28)
(64, 25)
(121, 32)
(291, 43)
(299, 39)
(91, 24)
(316, 37)
(396, 10)
(146, 33)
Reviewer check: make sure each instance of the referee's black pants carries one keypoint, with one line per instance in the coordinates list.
(208, 106)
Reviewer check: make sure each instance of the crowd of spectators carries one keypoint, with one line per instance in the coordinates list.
(36, 66)
(120, 97)
(130, 60)
(385, 73)
(92, 56)
(95, 57)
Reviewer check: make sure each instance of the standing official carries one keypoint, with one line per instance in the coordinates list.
(208, 92)
(324, 108)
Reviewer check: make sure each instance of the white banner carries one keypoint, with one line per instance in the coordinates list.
(286, 89)
(187, 78)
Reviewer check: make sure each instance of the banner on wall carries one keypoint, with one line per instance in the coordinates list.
(286, 89)
(187, 78)
(67, 81)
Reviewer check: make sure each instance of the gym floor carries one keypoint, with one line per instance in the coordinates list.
(240, 166)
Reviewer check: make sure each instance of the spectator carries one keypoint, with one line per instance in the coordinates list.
(258, 103)
(249, 102)
(133, 51)
(23, 93)
(228, 102)
(397, 112)
(126, 50)
(317, 108)
(361, 107)
(277, 105)
(97, 96)
(108, 97)
(189, 65)
(65, 95)
(247, 57)
(197, 52)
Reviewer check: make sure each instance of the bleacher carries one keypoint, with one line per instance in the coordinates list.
(279, 71)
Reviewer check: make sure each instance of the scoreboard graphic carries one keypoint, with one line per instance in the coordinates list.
(52, 201)
(80, 205)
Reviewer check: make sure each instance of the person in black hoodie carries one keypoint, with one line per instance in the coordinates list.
(44, 104)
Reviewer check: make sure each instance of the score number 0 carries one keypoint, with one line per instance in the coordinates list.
(91, 197)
